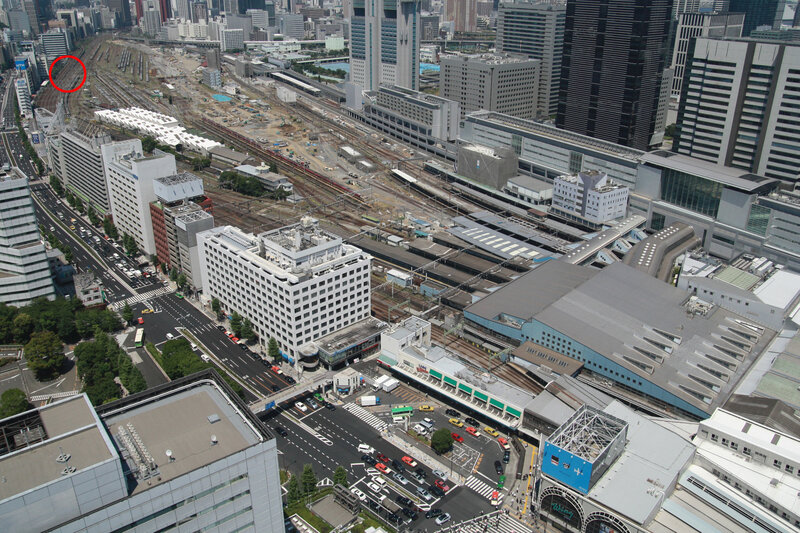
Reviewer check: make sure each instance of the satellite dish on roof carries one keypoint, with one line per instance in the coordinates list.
(169, 455)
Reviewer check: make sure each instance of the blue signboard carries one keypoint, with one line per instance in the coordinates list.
(21, 64)
(270, 405)
(35, 137)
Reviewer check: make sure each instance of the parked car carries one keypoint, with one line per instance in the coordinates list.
(421, 472)
(301, 406)
(382, 468)
(290, 380)
(436, 491)
(409, 461)
(498, 467)
(440, 474)
(365, 448)
(452, 412)
(405, 502)
(359, 494)
(426, 408)
(400, 478)
(419, 477)
(275, 388)
(456, 422)
(506, 456)
(397, 465)
(457, 437)
(373, 487)
(424, 494)
(472, 431)
(491, 431)
(410, 513)
(442, 485)
(312, 403)
(471, 421)
(382, 458)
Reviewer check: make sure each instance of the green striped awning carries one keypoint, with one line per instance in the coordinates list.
(465, 388)
(434, 373)
(513, 412)
(481, 396)
(385, 359)
(450, 381)
(499, 405)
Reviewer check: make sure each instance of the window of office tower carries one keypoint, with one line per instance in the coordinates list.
(691, 192)
(759, 219)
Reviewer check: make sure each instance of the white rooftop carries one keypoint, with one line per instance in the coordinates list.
(780, 289)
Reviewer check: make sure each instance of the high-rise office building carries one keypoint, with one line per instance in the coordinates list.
(188, 455)
(296, 284)
(183, 9)
(151, 20)
(615, 54)
(199, 11)
(494, 82)
(463, 14)
(35, 16)
(56, 43)
(130, 175)
(23, 97)
(123, 10)
(535, 29)
(384, 43)
(759, 13)
(291, 25)
(165, 7)
(695, 24)
(24, 269)
(738, 106)
(77, 161)
(259, 17)
(231, 40)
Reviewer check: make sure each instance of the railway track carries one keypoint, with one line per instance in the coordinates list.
(321, 184)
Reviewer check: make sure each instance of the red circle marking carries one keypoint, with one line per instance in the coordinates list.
(53, 82)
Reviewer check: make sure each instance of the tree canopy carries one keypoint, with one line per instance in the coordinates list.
(13, 402)
(442, 440)
(45, 354)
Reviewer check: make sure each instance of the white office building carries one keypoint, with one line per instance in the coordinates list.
(752, 468)
(535, 29)
(590, 198)
(185, 456)
(384, 43)
(76, 160)
(696, 24)
(23, 97)
(420, 119)
(24, 270)
(296, 284)
(130, 175)
(745, 115)
(494, 82)
(231, 40)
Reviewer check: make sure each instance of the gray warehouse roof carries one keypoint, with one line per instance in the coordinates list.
(696, 351)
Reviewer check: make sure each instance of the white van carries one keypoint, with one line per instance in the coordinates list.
(205, 358)
(365, 448)
(398, 419)
(170, 336)
(379, 481)
(420, 429)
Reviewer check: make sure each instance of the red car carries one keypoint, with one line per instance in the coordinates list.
(472, 431)
(141, 320)
(409, 461)
(383, 468)
(382, 458)
(235, 339)
(442, 485)
(457, 437)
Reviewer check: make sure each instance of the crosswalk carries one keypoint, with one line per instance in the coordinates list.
(365, 416)
(496, 522)
(480, 486)
(116, 306)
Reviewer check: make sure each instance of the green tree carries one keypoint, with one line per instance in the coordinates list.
(68, 255)
(273, 167)
(13, 402)
(671, 130)
(293, 494)
(23, 327)
(308, 480)
(148, 143)
(173, 274)
(70, 199)
(129, 243)
(273, 350)
(181, 281)
(340, 476)
(127, 313)
(55, 183)
(441, 440)
(45, 354)
(216, 306)
(247, 330)
(94, 219)
(236, 324)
